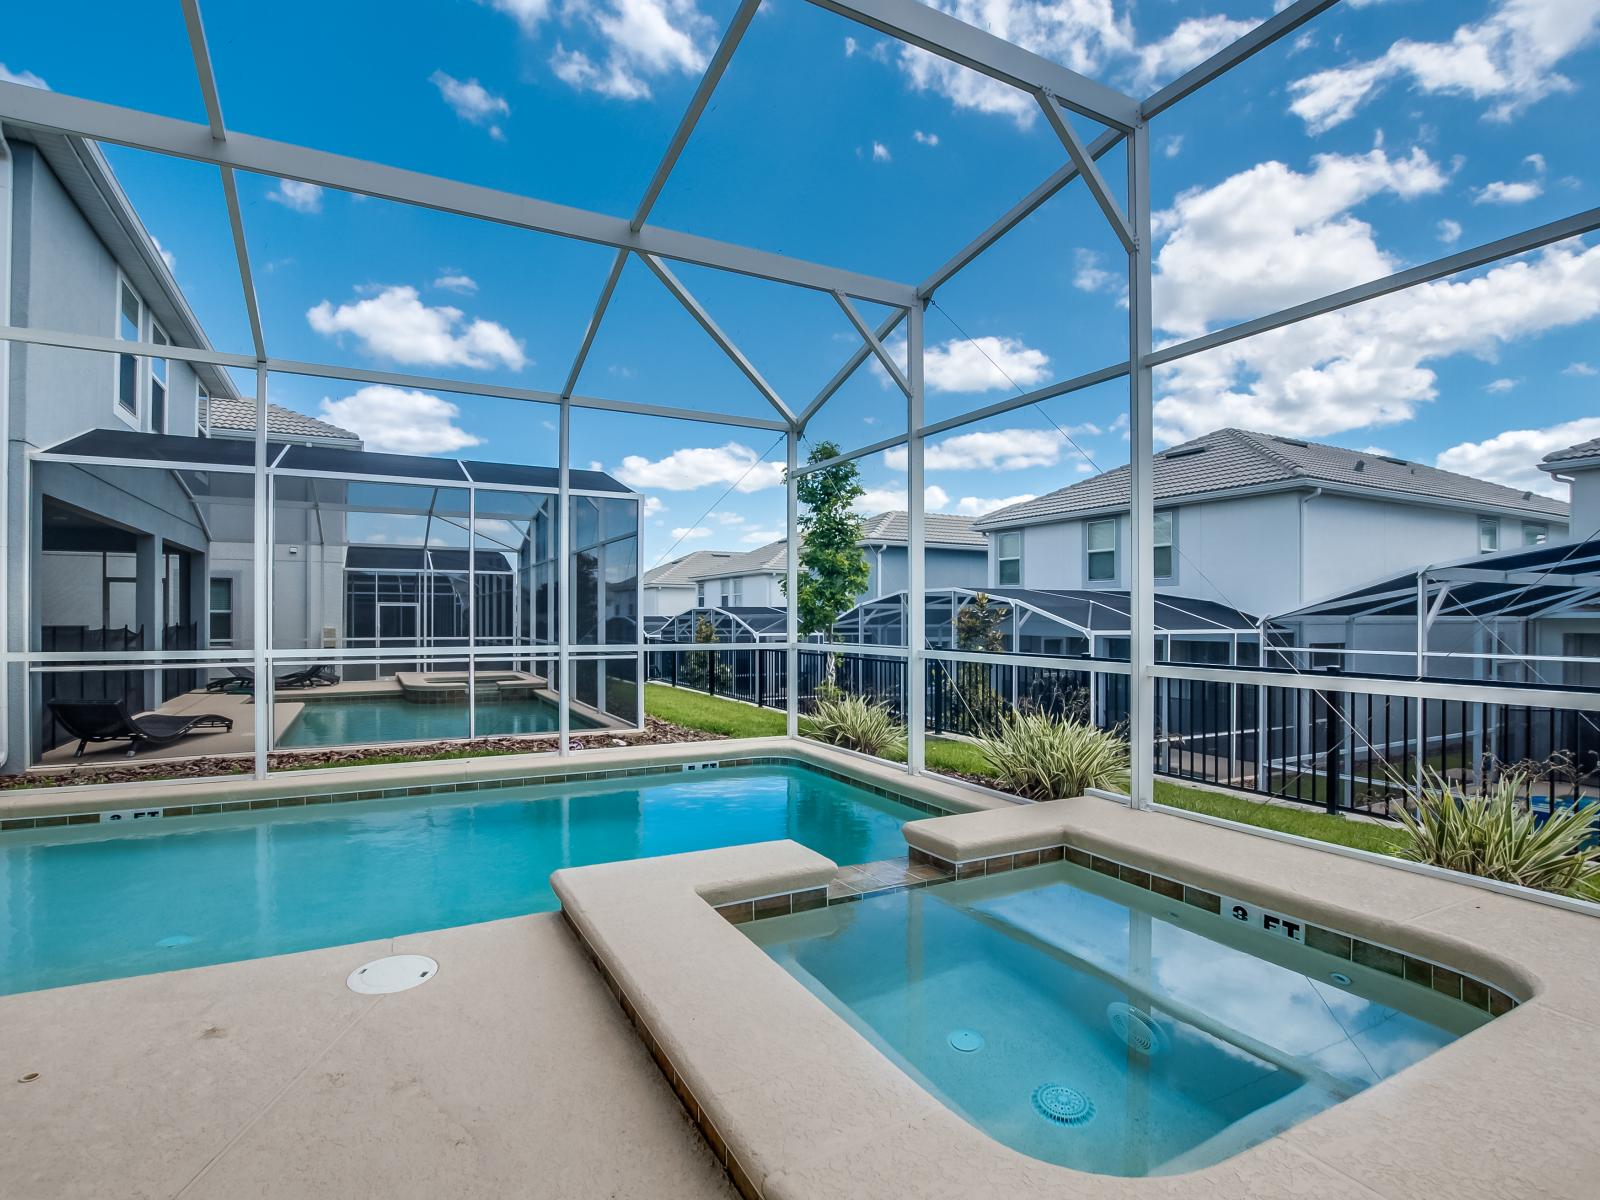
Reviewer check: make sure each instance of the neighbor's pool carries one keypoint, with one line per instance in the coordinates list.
(77, 906)
(1017, 1000)
(373, 720)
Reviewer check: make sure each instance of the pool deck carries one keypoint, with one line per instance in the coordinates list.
(511, 1073)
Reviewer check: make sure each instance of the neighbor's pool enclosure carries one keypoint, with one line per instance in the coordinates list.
(1105, 140)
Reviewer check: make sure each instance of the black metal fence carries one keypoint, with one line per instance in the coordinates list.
(1349, 751)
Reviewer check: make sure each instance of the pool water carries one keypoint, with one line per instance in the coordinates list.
(373, 720)
(1025, 1002)
(78, 905)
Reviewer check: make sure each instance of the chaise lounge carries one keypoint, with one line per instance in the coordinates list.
(110, 721)
(244, 679)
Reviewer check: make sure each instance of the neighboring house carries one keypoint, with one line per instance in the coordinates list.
(1264, 523)
(1580, 466)
(954, 554)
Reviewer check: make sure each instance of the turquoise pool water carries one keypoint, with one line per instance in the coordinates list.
(1007, 997)
(358, 721)
(80, 905)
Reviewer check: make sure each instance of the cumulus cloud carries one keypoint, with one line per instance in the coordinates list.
(638, 40)
(1496, 387)
(760, 537)
(1581, 369)
(924, 139)
(1449, 231)
(880, 152)
(472, 102)
(1501, 191)
(977, 506)
(1271, 236)
(455, 281)
(25, 78)
(1508, 59)
(166, 255)
(301, 197)
(395, 324)
(1512, 457)
(400, 421)
(688, 533)
(979, 365)
(991, 450)
(1194, 40)
(733, 464)
(889, 498)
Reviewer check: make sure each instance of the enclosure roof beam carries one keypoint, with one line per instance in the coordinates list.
(872, 343)
(1084, 161)
(76, 117)
(1277, 26)
(1049, 392)
(705, 321)
(604, 302)
(285, 366)
(1451, 264)
(951, 38)
(842, 375)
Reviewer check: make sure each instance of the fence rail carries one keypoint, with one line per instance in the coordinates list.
(1345, 750)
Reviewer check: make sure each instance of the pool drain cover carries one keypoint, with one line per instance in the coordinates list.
(396, 973)
(1134, 1028)
(966, 1040)
(1061, 1105)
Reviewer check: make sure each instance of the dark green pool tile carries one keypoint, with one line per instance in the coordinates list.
(1079, 858)
(1447, 982)
(1325, 940)
(11, 823)
(1170, 888)
(1499, 1002)
(1105, 866)
(1419, 972)
(1379, 958)
(739, 912)
(809, 899)
(1474, 993)
(1201, 898)
(772, 906)
(1051, 854)
(1026, 858)
(1139, 879)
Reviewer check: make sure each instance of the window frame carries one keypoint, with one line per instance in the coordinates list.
(1541, 538)
(1488, 530)
(158, 374)
(1171, 546)
(232, 582)
(130, 416)
(202, 408)
(1114, 550)
(1001, 558)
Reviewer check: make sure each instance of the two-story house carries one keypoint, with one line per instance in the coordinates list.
(1264, 523)
(1579, 466)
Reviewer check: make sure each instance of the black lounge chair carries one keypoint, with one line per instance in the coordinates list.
(244, 678)
(110, 721)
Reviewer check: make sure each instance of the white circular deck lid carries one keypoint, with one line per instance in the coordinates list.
(397, 973)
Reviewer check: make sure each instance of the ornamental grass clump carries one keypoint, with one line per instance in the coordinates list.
(1495, 835)
(858, 724)
(1041, 758)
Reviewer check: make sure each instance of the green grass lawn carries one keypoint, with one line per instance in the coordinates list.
(733, 719)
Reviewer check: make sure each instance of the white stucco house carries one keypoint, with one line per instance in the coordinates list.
(1579, 466)
(1263, 523)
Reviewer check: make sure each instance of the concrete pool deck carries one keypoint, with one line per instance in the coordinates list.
(511, 1073)
(1507, 1111)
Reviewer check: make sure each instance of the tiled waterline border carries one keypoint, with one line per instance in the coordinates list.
(726, 1158)
(301, 800)
(925, 869)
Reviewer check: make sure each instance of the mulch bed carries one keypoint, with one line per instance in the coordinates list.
(656, 733)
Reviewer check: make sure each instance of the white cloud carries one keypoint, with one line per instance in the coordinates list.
(1172, 145)
(1369, 364)
(924, 139)
(977, 506)
(1512, 457)
(166, 255)
(1509, 59)
(454, 281)
(688, 534)
(1497, 387)
(1449, 231)
(527, 13)
(991, 450)
(1194, 40)
(880, 152)
(980, 365)
(1089, 276)
(893, 499)
(399, 421)
(1581, 369)
(642, 39)
(1513, 192)
(733, 464)
(301, 197)
(395, 324)
(760, 537)
(726, 518)
(472, 102)
(1270, 236)
(653, 505)
(25, 78)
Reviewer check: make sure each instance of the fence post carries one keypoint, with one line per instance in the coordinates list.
(761, 701)
(1333, 747)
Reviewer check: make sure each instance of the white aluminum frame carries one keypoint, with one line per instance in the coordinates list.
(1123, 121)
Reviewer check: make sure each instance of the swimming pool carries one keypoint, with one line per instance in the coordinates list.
(372, 720)
(78, 905)
(1102, 1027)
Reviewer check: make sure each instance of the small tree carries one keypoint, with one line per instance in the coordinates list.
(698, 665)
(833, 567)
(980, 628)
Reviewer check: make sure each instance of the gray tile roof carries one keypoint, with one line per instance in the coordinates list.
(763, 560)
(684, 570)
(938, 529)
(1230, 459)
(1589, 449)
(239, 416)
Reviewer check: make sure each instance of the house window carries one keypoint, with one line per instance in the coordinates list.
(1100, 538)
(1161, 539)
(219, 612)
(1008, 554)
(1535, 533)
(158, 384)
(202, 410)
(1488, 535)
(128, 326)
(732, 593)
(700, 596)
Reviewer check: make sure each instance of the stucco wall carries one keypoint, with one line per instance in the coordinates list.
(942, 568)
(1586, 503)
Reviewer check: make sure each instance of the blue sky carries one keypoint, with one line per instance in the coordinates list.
(1386, 133)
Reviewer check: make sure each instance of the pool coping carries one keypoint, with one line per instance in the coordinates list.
(92, 805)
(796, 1103)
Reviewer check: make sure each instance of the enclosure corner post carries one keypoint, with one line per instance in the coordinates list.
(261, 586)
(1141, 507)
(916, 602)
(565, 607)
(792, 588)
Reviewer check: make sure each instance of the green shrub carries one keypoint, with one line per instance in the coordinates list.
(1494, 835)
(1044, 759)
(858, 724)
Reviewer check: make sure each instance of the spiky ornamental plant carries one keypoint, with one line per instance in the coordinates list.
(857, 723)
(1045, 759)
(1494, 835)
(833, 567)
